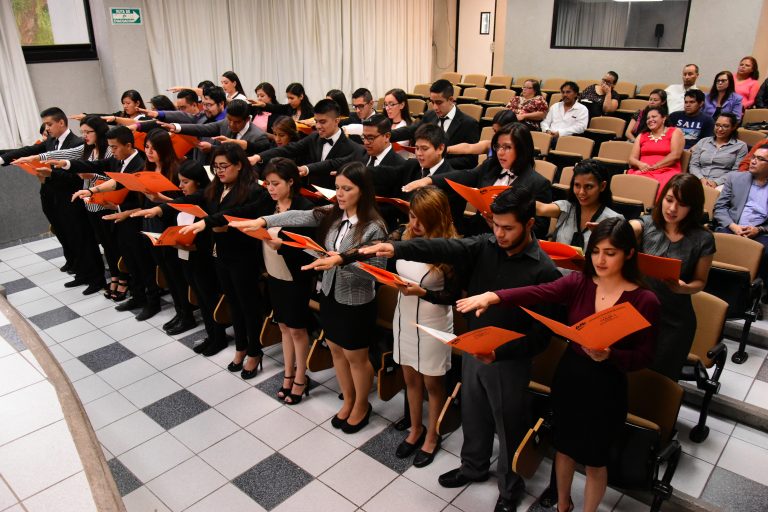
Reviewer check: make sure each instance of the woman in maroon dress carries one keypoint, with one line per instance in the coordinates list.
(589, 390)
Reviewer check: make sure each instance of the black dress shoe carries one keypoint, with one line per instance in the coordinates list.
(78, 281)
(150, 310)
(423, 458)
(132, 303)
(214, 348)
(406, 449)
(93, 288)
(173, 321)
(181, 326)
(249, 374)
(455, 478)
(337, 422)
(65, 267)
(349, 428)
(202, 346)
(510, 505)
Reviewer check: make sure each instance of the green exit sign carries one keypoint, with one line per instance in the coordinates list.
(126, 16)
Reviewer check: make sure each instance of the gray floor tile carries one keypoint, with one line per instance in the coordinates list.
(762, 374)
(9, 334)
(175, 409)
(125, 480)
(193, 339)
(106, 357)
(271, 385)
(382, 447)
(272, 481)
(51, 253)
(19, 285)
(54, 317)
(734, 492)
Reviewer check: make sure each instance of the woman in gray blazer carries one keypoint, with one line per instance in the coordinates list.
(347, 305)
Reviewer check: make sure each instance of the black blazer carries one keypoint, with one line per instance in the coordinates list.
(278, 109)
(462, 129)
(112, 164)
(310, 149)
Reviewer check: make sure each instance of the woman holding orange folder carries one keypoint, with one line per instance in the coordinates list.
(589, 390)
(347, 298)
(674, 230)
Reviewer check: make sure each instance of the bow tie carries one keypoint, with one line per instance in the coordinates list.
(328, 141)
(507, 173)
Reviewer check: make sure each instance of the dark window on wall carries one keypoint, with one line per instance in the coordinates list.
(648, 25)
(55, 30)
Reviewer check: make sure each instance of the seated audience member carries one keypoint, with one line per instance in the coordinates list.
(762, 96)
(483, 147)
(362, 102)
(601, 98)
(265, 92)
(657, 98)
(530, 106)
(713, 158)
(588, 200)
(674, 230)
(723, 97)
(284, 131)
(589, 389)
(232, 86)
(236, 128)
(692, 121)
(747, 85)
(676, 92)
(341, 100)
(325, 150)
(396, 108)
(568, 116)
(744, 165)
(742, 208)
(457, 125)
(656, 153)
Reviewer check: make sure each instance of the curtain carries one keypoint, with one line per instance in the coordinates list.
(592, 24)
(324, 44)
(19, 116)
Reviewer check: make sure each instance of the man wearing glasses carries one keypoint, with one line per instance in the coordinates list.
(362, 104)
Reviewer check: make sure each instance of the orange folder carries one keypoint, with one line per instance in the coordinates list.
(191, 209)
(304, 242)
(146, 182)
(114, 197)
(170, 237)
(303, 128)
(383, 276)
(480, 198)
(261, 233)
(139, 138)
(601, 330)
(565, 256)
(402, 147)
(480, 341)
(30, 167)
(182, 144)
(399, 203)
(658, 267)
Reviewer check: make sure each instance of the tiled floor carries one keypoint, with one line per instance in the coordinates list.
(182, 433)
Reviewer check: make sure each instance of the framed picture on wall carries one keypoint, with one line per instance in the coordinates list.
(485, 23)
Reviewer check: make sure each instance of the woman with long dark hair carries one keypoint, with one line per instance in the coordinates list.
(723, 97)
(657, 98)
(298, 107)
(232, 86)
(746, 84)
(341, 100)
(589, 389)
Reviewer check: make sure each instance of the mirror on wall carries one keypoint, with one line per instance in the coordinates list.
(650, 25)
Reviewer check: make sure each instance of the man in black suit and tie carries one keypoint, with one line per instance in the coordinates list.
(381, 155)
(237, 128)
(458, 126)
(327, 149)
(53, 198)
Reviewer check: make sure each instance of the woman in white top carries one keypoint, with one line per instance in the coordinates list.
(232, 86)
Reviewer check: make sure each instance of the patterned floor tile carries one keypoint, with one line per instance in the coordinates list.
(9, 334)
(54, 317)
(106, 357)
(734, 492)
(125, 480)
(272, 481)
(19, 285)
(175, 409)
(382, 447)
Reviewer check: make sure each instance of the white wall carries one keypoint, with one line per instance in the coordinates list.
(710, 43)
(443, 37)
(475, 49)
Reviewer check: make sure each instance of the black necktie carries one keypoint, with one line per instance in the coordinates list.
(442, 122)
(339, 235)
(328, 141)
(372, 161)
(424, 172)
(56, 145)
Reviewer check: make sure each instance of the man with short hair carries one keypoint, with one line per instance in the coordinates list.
(188, 110)
(325, 150)
(566, 117)
(457, 125)
(692, 121)
(494, 386)
(362, 104)
(382, 160)
(676, 92)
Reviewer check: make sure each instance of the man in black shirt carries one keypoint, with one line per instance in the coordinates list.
(493, 389)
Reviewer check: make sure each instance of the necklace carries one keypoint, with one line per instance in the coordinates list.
(656, 138)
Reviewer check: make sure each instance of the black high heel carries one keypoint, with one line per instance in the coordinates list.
(284, 392)
(349, 428)
(118, 295)
(110, 291)
(295, 399)
(249, 374)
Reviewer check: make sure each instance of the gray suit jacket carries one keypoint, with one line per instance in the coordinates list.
(733, 198)
(257, 139)
(354, 286)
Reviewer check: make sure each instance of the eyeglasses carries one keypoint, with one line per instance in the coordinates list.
(371, 138)
(503, 147)
(391, 105)
(359, 107)
(721, 80)
(86, 132)
(221, 167)
(723, 126)
(760, 158)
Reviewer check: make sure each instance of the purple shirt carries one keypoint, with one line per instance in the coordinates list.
(732, 103)
(755, 211)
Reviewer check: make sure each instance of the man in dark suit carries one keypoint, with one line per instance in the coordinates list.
(237, 128)
(381, 156)
(458, 126)
(742, 207)
(52, 198)
(327, 149)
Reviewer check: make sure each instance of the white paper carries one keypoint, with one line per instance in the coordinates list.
(327, 193)
(445, 337)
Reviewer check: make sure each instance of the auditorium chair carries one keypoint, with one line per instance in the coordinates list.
(685, 160)
(390, 374)
(486, 133)
(555, 98)
(614, 156)
(710, 198)
(707, 351)
(472, 95)
(750, 137)
(646, 89)
(498, 98)
(560, 189)
(541, 142)
(552, 85)
(628, 107)
(517, 85)
(420, 91)
(733, 278)
(487, 119)
(754, 115)
(633, 194)
(380, 105)
(583, 84)
(603, 129)
(498, 82)
(546, 169)
(473, 111)
(625, 89)
(416, 107)
(569, 150)
(473, 80)
(452, 77)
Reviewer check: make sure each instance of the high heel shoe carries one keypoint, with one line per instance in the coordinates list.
(570, 506)
(117, 295)
(295, 399)
(349, 428)
(249, 374)
(111, 290)
(284, 392)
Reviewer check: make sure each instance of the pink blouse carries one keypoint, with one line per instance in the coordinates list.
(748, 89)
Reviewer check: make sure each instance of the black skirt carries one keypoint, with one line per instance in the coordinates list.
(350, 327)
(589, 404)
(290, 302)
